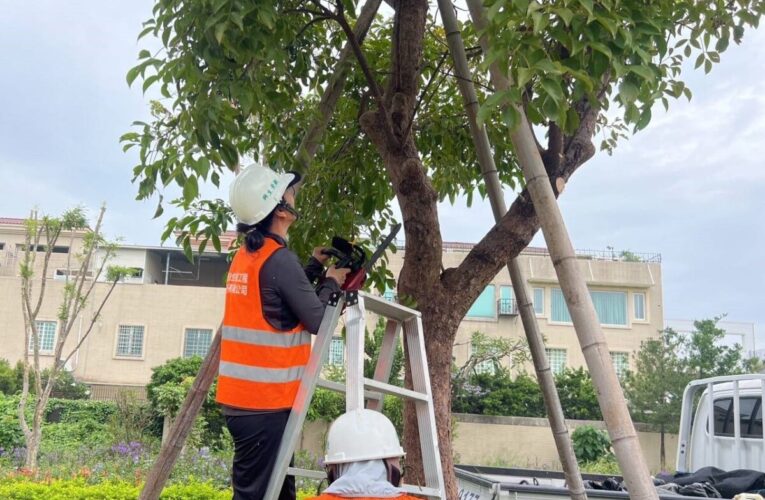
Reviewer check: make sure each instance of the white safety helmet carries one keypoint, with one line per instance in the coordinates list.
(361, 435)
(256, 191)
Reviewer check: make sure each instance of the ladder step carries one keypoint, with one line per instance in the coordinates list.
(312, 474)
(340, 387)
(395, 390)
(388, 309)
(421, 490)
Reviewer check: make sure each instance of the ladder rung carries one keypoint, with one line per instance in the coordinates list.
(383, 307)
(340, 387)
(421, 490)
(394, 390)
(313, 474)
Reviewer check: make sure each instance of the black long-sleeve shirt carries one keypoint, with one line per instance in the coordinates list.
(287, 292)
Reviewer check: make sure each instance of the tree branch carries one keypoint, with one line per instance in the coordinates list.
(405, 135)
(362, 60)
(92, 322)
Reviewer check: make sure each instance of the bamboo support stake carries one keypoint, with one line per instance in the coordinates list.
(526, 308)
(171, 448)
(183, 423)
(594, 347)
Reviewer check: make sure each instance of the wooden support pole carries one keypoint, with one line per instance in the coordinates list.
(526, 308)
(594, 347)
(183, 423)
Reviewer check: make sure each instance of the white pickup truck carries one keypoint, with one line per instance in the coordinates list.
(734, 440)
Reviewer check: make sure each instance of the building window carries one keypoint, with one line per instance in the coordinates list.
(43, 248)
(196, 342)
(486, 366)
(130, 341)
(558, 310)
(539, 301)
(621, 361)
(46, 335)
(557, 360)
(506, 300)
(337, 351)
(638, 301)
(611, 307)
(484, 306)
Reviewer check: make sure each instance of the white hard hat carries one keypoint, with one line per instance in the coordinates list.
(361, 435)
(256, 191)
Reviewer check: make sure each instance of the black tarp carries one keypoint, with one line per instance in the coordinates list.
(729, 483)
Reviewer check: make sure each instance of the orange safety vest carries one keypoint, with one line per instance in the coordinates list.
(328, 496)
(260, 366)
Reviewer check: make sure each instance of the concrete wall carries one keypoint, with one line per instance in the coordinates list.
(511, 442)
(528, 442)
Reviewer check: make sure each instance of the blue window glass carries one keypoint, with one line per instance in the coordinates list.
(558, 309)
(539, 301)
(484, 306)
(611, 307)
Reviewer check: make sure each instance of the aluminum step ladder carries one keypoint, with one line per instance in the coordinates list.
(357, 389)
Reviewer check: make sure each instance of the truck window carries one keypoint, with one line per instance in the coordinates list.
(750, 414)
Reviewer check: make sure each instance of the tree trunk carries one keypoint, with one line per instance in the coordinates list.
(662, 449)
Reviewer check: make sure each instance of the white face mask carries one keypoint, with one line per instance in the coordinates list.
(363, 479)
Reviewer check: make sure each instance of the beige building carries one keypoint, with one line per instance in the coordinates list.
(171, 308)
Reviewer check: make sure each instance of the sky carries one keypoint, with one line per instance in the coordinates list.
(690, 186)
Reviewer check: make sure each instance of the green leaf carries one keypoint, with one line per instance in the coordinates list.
(190, 189)
(144, 54)
(159, 210)
(487, 108)
(587, 4)
(149, 82)
(707, 66)
(699, 61)
(645, 118)
(553, 89)
(713, 56)
(132, 74)
(524, 76)
(565, 14)
(642, 71)
(602, 48)
(628, 91)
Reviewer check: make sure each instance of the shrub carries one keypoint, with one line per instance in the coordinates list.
(75, 489)
(577, 395)
(66, 386)
(9, 384)
(590, 444)
(606, 465)
(168, 379)
(11, 435)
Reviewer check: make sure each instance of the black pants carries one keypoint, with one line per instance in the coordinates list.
(256, 444)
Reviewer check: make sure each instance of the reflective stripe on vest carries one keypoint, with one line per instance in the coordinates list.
(260, 366)
(329, 496)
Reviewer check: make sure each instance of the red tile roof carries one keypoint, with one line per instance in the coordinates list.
(11, 221)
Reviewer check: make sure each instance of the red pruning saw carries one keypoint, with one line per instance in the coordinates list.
(353, 257)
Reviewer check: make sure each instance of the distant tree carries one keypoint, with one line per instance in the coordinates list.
(707, 357)
(655, 388)
(82, 273)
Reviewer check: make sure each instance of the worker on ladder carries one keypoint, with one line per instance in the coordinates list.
(363, 458)
(271, 310)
